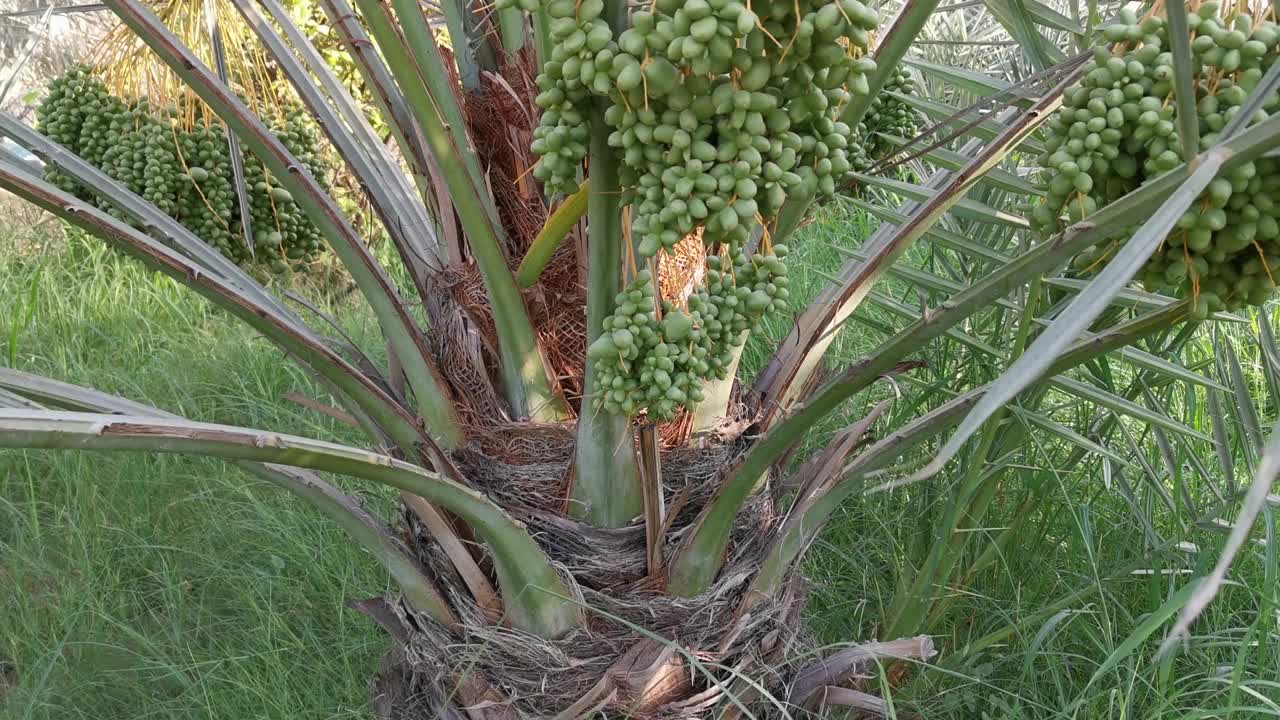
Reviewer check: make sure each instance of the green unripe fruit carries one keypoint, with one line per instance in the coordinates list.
(602, 348)
(661, 77)
(676, 326)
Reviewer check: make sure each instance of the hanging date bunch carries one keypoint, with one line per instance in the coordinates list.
(182, 165)
(1119, 127)
(718, 111)
(889, 115)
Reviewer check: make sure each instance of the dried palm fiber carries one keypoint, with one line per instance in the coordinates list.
(463, 339)
(559, 302)
(681, 270)
(523, 468)
(500, 117)
(558, 318)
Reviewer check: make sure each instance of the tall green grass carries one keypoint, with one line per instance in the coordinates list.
(1093, 658)
(166, 587)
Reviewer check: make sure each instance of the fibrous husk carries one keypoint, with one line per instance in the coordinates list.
(640, 651)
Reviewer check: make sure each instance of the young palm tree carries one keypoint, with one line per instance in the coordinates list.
(579, 542)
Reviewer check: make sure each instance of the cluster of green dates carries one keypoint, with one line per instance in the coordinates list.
(717, 111)
(721, 111)
(643, 363)
(186, 173)
(1119, 128)
(890, 115)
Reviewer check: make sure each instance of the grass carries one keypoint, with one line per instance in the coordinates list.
(160, 587)
(165, 587)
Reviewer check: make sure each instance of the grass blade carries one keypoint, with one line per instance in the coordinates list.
(1128, 408)
(1015, 18)
(1242, 399)
(1222, 440)
(1067, 434)
(1254, 502)
(1270, 359)
(951, 160)
(1046, 16)
(962, 207)
(943, 236)
(1145, 630)
(972, 81)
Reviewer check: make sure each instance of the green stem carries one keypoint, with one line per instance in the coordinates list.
(469, 56)
(388, 98)
(607, 491)
(511, 28)
(424, 54)
(552, 235)
(529, 387)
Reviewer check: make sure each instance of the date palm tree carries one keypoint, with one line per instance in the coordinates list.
(560, 558)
